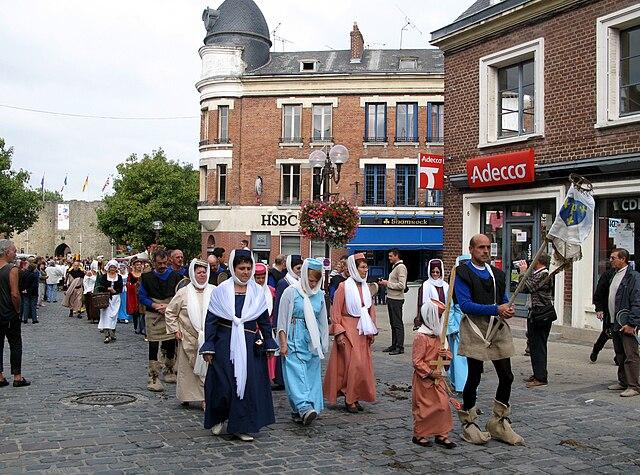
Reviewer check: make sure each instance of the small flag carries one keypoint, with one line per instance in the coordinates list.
(85, 185)
(572, 225)
(106, 183)
(64, 184)
(42, 183)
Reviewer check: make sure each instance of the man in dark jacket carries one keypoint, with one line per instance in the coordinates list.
(623, 306)
(600, 297)
(29, 279)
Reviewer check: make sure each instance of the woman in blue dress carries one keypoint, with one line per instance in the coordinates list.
(237, 338)
(303, 334)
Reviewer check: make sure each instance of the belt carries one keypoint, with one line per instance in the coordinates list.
(229, 326)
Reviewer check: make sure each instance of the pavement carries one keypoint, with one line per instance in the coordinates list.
(573, 425)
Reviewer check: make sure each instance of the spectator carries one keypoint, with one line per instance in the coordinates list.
(341, 276)
(244, 244)
(42, 282)
(215, 269)
(10, 314)
(54, 274)
(541, 316)
(177, 263)
(29, 293)
(600, 299)
(396, 285)
(278, 271)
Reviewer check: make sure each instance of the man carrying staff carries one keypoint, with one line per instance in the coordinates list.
(480, 292)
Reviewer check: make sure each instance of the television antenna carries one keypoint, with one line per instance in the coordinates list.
(408, 24)
(277, 38)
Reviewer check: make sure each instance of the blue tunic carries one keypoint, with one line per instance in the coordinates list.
(301, 368)
(458, 369)
(255, 410)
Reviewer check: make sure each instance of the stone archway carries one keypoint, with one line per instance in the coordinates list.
(62, 250)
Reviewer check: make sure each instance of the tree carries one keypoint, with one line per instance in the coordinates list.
(54, 196)
(19, 204)
(148, 190)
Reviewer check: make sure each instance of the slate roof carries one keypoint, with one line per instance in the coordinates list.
(475, 8)
(429, 61)
(240, 16)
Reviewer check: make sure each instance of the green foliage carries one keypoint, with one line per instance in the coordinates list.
(148, 190)
(19, 204)
(54, 196)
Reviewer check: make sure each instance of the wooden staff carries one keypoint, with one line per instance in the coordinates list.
(528, 273)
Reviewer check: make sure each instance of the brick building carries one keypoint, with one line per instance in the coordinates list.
(553, 86)
(264, 112)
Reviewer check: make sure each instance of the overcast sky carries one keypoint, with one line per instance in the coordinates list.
(140, 59)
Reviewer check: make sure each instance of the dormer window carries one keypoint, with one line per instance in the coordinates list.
(308, 66)
(408, 64)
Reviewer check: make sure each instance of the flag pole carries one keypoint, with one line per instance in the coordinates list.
(528, 273)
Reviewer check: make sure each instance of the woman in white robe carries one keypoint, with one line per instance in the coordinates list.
(110, 282)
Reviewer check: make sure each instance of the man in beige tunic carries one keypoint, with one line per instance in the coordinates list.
(185, 316)
(485, 336)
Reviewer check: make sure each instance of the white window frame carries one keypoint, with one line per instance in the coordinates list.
(323, 118)
(293, 122)
(488, 97)
(607, 66)
(291, 187)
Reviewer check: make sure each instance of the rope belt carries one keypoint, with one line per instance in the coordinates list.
(229, 326)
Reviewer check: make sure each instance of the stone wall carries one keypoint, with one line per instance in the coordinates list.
(83, 235)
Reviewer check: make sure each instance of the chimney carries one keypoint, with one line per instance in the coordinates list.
(357, 44)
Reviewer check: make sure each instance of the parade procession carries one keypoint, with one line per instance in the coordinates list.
(302, 264)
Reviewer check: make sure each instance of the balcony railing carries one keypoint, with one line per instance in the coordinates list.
(374, 203)
(406, 139)
(214, 203)
(289, 202)
(322, 139)
(436, 139)
(223, 140)
(374, 139)
(290, 139)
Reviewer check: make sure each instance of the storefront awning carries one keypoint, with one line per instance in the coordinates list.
(405, 237)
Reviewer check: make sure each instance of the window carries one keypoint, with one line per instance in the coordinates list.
(308, 66)
(222, 183)
(203, 184)
(291, 123)
(516, 100)
(374, 185)
(322, 123)
(512, 94)
(408, 63)
(618, 67)
(435, 122)
(630, 71)
(407, 122)
(290, 184)
(204, 127)
(317, 186)
(223, 124)
(406, 185)
(434, 198)
(317, 248)
(375, 123)
(289, 245)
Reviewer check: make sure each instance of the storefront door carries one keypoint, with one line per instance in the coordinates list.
(520, 238)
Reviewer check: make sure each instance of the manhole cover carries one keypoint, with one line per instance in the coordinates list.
(102, 398)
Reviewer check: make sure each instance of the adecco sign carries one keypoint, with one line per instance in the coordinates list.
(503, 169)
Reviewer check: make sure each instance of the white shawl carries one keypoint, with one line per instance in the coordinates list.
(353, 301)
(198, 312)
(223, 304)
(291, 276)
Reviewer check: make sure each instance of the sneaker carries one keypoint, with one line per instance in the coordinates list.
(535, 383)
(397, 351)
(244, 437)
(309, 417)
(21, 383)
(629, 392)
(529, 379)
(616, 387)
(217, 429)
(389, 349)
(593, 357)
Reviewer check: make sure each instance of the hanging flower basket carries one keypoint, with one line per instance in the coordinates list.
(333, 221)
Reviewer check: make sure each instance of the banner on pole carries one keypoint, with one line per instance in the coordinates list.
(573, 224)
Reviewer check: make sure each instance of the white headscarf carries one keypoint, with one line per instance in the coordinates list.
(429, 290)
(431, 323)
(197, 310)
(291, 276)
(223, 305)
(305, 291)
(113, 263)
(267, 291)
(354, 304)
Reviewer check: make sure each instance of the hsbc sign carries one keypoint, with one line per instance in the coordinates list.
(503, 169)
(431, 171)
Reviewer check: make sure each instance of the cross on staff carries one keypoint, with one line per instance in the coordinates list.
(441, 362)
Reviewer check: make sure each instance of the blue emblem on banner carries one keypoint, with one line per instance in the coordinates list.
(573, 212)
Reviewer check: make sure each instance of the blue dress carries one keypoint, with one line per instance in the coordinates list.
(255, 410)
(123, 316)
(301, 368)
(458, 369)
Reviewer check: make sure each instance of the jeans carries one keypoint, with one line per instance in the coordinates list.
(11, 330)
(538, 336)
(476, 368)
(626, 348)
(29, 308)
(395, 320)
(52, 295)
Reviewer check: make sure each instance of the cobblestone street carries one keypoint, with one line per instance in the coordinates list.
(575, 424)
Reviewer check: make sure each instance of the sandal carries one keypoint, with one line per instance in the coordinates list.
(351, 408)
(422, 441)
(445, 442)
(359, 407)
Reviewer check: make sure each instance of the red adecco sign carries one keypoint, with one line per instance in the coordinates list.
(503, 169)
(431, 171)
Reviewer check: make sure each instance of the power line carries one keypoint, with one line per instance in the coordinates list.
(89, 116)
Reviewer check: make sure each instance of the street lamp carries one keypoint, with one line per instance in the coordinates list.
(330, 162)
(157, 227)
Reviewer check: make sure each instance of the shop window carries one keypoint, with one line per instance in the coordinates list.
(407, 122)
(406, 185)
(291, 119)
(322, 123)
(223, 124)
(435, 122)
(618, 67)
(290, 184)
(512, 94)
(375, 185)
(375, 123)
(289, 245)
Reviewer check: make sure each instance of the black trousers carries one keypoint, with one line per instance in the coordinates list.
(538, 335)
(602, 338)
(168, 347)
(11, 331)
(476, 368)
(395, 320)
